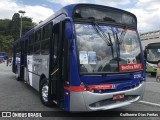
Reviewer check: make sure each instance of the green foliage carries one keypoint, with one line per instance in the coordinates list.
(12, 27)
(10, 30)
(6, 42)
(15, 26)
(27, 24)
(3, 26)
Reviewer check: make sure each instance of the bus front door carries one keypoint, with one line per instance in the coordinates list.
(56, 81)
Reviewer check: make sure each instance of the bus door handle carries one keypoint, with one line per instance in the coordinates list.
(54, 72)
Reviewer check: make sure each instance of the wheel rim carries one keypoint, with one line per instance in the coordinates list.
(45, 92)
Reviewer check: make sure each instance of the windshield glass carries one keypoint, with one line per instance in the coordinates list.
(153, 55)
(95, 55)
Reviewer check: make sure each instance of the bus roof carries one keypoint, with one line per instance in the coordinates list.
(68, 11)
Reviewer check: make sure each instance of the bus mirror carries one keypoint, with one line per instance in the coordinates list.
(69, 31)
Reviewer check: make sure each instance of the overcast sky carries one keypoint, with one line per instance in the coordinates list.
(147, 11)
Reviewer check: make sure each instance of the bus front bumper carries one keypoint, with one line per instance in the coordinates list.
(88, 101)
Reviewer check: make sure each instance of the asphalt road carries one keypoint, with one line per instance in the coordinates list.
(18, 96)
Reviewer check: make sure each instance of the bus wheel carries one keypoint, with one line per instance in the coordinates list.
(44, 93)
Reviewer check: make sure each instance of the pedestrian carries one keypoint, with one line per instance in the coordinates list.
(158, 72)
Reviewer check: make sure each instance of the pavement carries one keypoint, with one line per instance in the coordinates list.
(18, 96)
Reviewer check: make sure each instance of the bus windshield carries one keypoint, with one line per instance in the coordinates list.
(153, 55)
(95, 55)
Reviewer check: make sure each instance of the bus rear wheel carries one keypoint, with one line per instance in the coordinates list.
(44, 93)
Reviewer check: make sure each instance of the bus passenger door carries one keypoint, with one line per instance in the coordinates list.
(56, 83)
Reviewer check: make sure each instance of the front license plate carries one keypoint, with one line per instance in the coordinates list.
(118, 96)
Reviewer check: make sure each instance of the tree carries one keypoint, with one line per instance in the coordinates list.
(6, 43)
(14, 26)
(4, 27)
(27, 24)
(10, 30)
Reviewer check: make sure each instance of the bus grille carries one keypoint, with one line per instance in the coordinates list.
(110, 101)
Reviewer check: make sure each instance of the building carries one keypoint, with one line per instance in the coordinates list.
(150, 37)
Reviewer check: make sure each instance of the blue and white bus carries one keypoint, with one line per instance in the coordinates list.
(85, 57)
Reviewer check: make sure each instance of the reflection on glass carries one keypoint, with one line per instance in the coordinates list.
(96, 56)
(129, 48)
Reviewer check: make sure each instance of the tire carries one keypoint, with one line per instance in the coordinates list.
(153, 73)
(43, 90)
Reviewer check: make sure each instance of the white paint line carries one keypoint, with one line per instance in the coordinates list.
(153, 82)
(150, 103)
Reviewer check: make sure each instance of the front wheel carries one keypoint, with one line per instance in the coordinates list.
(44, 93)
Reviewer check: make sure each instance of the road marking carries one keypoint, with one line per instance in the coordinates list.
(150, 103)
(153, 82)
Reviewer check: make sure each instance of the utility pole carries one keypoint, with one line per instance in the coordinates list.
(22, 13)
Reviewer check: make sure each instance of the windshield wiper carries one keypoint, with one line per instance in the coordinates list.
(106, 38)
(102, 34)
(121, 37)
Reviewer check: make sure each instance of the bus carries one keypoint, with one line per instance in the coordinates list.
(152, 55)
(85, 57)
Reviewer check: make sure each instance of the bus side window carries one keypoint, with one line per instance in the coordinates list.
(37, 40)
(46, 36)
(45, 47)
(30, 45)
(26, 46)
(37, 48)
(38, 35)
